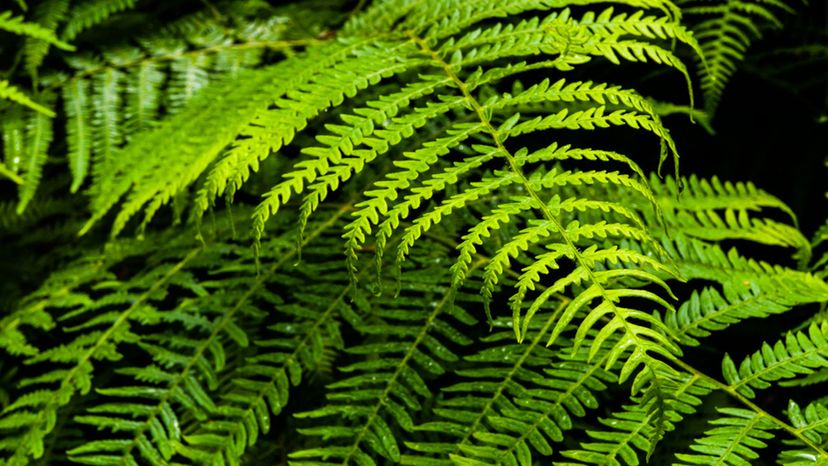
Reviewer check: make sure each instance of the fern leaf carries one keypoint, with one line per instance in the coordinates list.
(12, 93)
(78, 130)
(91, 12)
(188, 77)
(285, 355)
(74, 365)
(47, 14)
(800, 353)
(385, 390)
(512, 403)
(38, 139)
(106, 118)
(14, 147)
(143, 96)
(710, 310)
(725, 30)
(632, 430)
(812, 424)
(733, 439)
(17, 25)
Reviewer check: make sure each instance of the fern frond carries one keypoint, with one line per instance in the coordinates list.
(812, 422)
(259, 388)
(163, 73)
(78, 130)
(14, 142)
(800, 353)
(88, 13)
(17, 25)
(733, 439)
(38, 138)
(712, 310)
(387, 386)
(263, 136)
(725, 29)
(134, 315)
(512, 403)
(69, 367)
(48, 15)
(636, 428)
(143, 88)
(9, 92)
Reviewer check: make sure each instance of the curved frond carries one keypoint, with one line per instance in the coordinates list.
(725, 30)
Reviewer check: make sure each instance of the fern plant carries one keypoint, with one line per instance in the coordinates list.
(451, 233)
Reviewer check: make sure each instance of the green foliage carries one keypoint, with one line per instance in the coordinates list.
(725, 30)
(445, 240)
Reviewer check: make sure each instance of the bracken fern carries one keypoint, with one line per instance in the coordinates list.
(435, 244)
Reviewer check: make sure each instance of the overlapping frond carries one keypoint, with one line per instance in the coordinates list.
(214, 312)
(68, 367)
(270, 113)
(633, 431)
(514, 401)
(409, 340)
(258, 388)
(111, 97)
(453, 148)
(148, 413)
(378, 125)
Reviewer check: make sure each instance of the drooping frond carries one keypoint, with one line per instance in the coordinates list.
(614, 34)
(270, 111)
(725, 30)
(287, 354)
(111, 97)
(48, 15)
(148, 412)
(38, 137)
